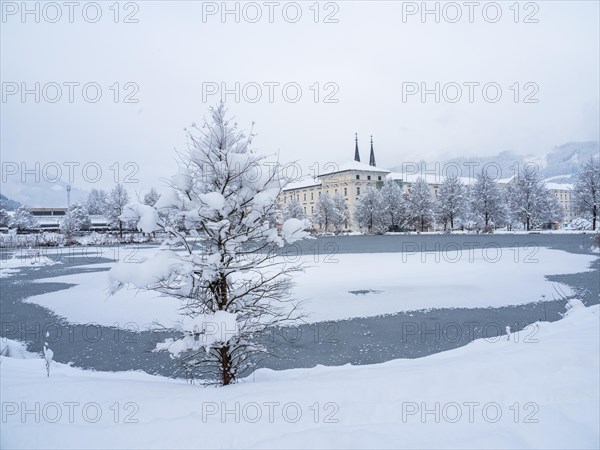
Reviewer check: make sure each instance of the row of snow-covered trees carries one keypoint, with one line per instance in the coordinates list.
(110, 205)
(526, 203)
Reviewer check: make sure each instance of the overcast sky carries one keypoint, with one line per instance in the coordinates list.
(369, 54)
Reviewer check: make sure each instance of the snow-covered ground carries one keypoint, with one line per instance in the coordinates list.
(342, 286)
(505, 394)
(32, 258)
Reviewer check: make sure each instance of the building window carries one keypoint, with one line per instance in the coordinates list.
(357, 190)
(319, 193)
(335, 191)
(305, 210)
(346, 192)
(379, 178)
(358, 177)
(312, 209)
(311, 196)
(368, 177)
(304, 197)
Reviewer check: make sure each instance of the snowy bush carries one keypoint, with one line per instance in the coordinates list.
(23, 220)
(580, 224)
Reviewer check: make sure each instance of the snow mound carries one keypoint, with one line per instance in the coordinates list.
(15, 349)
(505, 394)
(27, 260)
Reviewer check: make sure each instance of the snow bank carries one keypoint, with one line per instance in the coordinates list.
(502, 394)
(15, 349)
(27, 260)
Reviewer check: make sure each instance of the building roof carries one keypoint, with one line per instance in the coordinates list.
(559, 186)
(430, 178)
(303, 183)
(355, 166)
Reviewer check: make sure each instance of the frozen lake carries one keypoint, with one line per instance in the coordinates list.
(361, 340)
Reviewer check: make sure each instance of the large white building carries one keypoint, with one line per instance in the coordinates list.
(352, 178)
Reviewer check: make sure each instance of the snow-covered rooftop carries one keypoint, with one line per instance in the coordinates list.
(355, 166)
(505, 180)
(303, 183)
(430, 178)
(559, 186)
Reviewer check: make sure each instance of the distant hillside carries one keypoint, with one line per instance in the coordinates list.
(8, 204)
(561, 163)
(569, 157)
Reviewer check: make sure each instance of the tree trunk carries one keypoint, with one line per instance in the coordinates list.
(227, 376)
(120, 229)
(528, 224)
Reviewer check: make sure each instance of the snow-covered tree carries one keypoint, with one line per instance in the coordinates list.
(76, 219)
(151, 197)
(23, 220)
(552, 210)
(451, 202)
(393, 205)
(97, 202)
(4, 218)
(325, 211)
(586, 192)
(231, 285)
(293, 210)
(369, 211)
(530, 202)
(341, 212)
(486, 202)
(420, 205)
(117, 200)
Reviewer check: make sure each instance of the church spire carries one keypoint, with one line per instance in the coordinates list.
(356, 154)
(372, 156)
